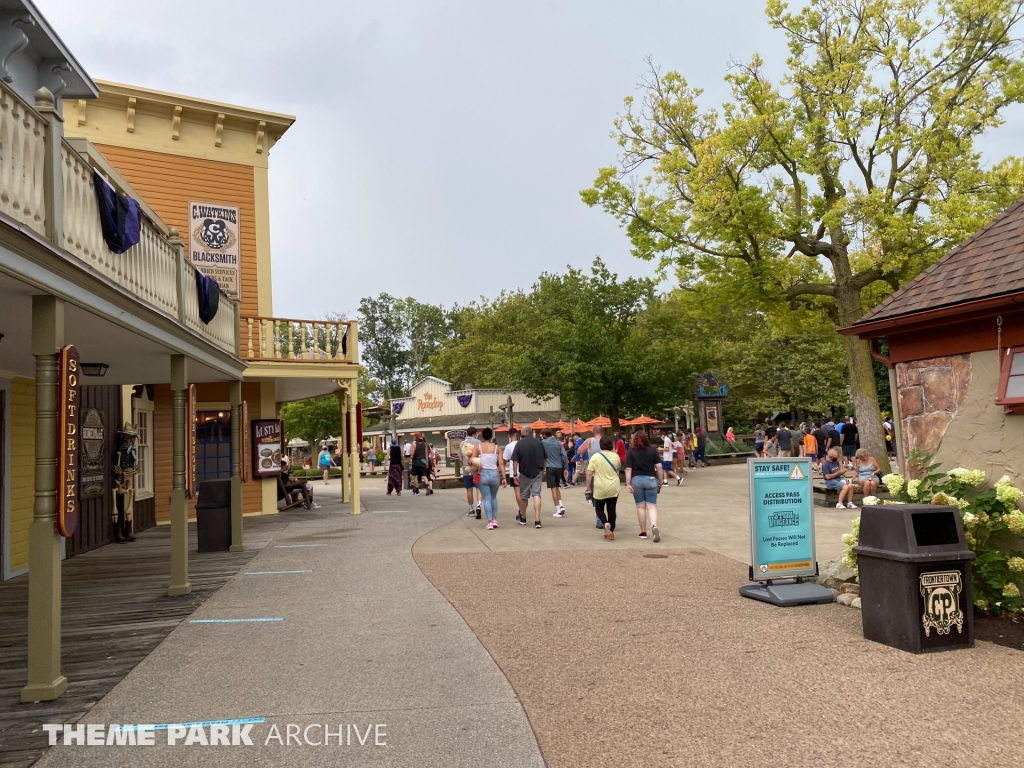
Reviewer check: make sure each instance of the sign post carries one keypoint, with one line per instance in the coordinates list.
(782, 533)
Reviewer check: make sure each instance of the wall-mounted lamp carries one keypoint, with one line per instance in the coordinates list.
(94, 369)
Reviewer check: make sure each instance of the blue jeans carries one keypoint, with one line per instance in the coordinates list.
(645, 489)
(490, 482)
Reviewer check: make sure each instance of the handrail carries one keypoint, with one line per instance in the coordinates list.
(280, 339)
(22, 161)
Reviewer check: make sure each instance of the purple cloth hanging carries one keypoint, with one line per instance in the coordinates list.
(119, 216)
(208, 292)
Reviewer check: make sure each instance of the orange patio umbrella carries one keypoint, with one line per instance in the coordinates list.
(601, 421)
(640, 421)
(540, 424)
(504, 427)
(583, 426)
(561, 425)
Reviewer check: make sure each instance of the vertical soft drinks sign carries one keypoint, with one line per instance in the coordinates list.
(781, 518)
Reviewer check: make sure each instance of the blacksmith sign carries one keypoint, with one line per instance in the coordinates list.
(67, 440)
(214, 243)
(92, 465)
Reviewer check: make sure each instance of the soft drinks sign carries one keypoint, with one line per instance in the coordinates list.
(67, 440)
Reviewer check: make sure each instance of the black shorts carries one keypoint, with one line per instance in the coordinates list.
(849, 450)
(553, 476)
(467, 481)
(420, 472)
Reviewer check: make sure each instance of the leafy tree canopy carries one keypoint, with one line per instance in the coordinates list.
(858, 167)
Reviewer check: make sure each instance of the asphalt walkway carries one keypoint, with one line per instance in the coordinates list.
(332, 623)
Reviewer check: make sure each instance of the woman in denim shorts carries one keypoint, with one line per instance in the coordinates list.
(643, 479)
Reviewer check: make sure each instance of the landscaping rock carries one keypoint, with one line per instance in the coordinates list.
(833, 574)
(855, 603)
(850, 588)
(846, 599)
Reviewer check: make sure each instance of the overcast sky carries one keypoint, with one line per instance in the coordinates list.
(440, 145)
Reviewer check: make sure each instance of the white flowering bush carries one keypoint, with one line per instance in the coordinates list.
(850, 540)
(870, 501)
(992, 523)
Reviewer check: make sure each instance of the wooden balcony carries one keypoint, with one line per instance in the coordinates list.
(155, 270)
(278, 339)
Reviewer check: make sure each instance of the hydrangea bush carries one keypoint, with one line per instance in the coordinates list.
(992, 523)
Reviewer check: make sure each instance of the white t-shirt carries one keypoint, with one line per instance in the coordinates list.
(507, 455)
(407, 449)
(666, 449)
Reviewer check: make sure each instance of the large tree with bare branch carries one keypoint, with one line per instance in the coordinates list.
(853, 173)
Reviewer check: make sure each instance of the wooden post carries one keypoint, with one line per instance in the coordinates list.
(45, 682)
(53, 167)
(237, 430)
(354, 446)
(342, 448)
(179, 504)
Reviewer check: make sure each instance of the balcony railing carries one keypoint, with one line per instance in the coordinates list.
(307, 341)
(155, 270)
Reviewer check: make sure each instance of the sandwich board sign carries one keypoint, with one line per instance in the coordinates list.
(782, 533)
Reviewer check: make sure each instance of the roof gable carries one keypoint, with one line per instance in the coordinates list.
(988, 264)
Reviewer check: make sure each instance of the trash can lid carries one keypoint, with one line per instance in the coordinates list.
(913, 533)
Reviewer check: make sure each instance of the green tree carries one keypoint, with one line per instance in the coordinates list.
(858, 168)
(590, 340)
(426, 327)
(382, 343)
(312, 420)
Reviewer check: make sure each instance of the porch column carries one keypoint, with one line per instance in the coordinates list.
(237, 428)
(179, 505)
(897, 420)
(343, 448)
(354, 447)
(45, 682)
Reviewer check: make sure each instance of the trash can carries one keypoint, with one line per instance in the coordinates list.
(213, 516)
(915, 578)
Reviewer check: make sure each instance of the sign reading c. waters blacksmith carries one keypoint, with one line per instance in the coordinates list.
(214, 243)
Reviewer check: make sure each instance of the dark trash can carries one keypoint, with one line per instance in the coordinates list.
(915, 578)
(213, 516)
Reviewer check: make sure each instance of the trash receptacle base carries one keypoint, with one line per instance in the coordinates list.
(788, 594)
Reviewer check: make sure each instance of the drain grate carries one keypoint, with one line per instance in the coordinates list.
(656, 557)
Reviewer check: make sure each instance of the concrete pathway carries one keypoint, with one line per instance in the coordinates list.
(356, 636)
(709, 510)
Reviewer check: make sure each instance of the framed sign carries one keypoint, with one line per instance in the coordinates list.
(454, 437)
(190, 441)
(711, 414)
(68, 437)
(781, 518)
(92, 465)
(214, 243)
(267, 447)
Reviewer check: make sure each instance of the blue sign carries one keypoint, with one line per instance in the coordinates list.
(781, 518)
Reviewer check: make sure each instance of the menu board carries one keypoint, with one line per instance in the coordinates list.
(267, 447)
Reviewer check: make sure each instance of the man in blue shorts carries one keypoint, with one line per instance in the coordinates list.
(833, 474)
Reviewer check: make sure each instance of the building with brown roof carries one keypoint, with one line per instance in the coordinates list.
(956, 351)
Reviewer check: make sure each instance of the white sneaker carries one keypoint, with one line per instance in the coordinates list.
(851, 505)
(315, 505)
(559, 513)
(840, 505)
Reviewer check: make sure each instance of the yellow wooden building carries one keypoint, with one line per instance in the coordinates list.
(136, 317)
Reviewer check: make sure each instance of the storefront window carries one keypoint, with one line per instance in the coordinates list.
(1011, 380)
(143, 419)
(213, 445)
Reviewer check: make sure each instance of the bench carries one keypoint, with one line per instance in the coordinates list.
(826, 497)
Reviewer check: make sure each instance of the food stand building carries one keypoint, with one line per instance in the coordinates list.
(956, 351)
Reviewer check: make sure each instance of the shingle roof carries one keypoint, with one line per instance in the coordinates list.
(990, 263)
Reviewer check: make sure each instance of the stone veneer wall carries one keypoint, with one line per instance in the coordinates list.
(948, 407)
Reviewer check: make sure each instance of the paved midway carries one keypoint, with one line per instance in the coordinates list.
(365, 639)
(621, 659)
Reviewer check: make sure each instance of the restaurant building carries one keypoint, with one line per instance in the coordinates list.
(115, 200)
(434, 408)
(956, 352)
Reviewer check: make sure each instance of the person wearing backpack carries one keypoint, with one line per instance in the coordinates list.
(603, 484)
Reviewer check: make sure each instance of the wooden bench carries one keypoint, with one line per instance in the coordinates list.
(826, 497)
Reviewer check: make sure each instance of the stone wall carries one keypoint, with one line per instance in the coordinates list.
(948, 407)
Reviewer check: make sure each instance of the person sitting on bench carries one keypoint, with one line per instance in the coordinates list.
(833, 474)
(297, 486)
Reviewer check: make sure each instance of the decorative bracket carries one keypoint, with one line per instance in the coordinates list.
(82, 107)
(131, 114)
(12, 40)
(176, 123)
(52, 75)
(218, 129)
(261, 137)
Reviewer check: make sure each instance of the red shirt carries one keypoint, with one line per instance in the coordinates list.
(620, 448)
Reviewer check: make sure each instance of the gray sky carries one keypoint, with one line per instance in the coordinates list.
(440, 144)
